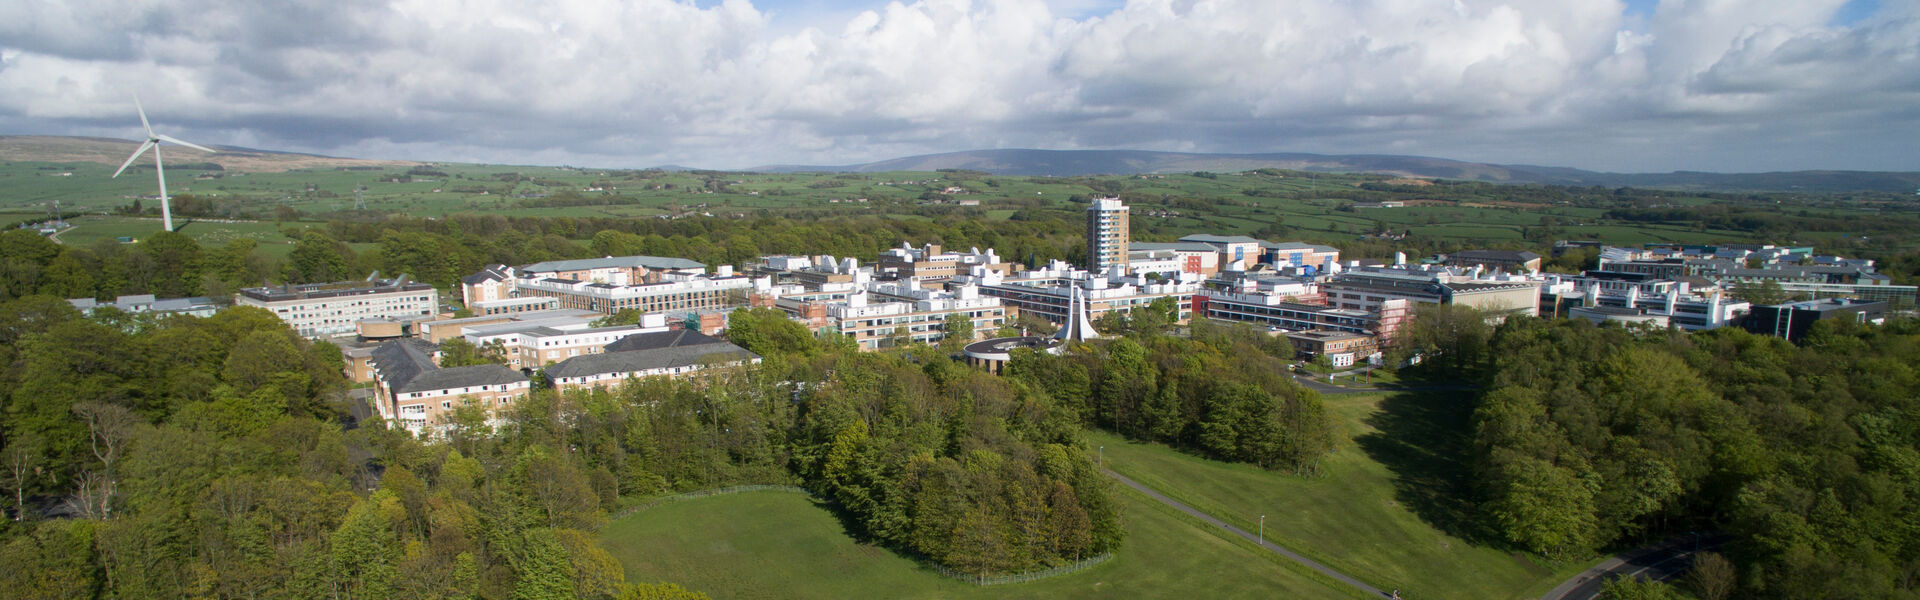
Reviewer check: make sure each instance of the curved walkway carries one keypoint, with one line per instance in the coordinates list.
(1658, 562)
(1323, 569)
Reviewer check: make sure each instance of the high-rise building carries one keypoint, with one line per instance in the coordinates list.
(1107, 234)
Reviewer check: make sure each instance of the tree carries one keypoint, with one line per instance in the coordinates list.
(458, 352)
(1712, 577)
(1545, 508)
(958, 332)
(109, 427)
(658, 591)
(317, 258)
(365, 549)
(20, 465)
(1634, 588)
(1766, 292)
(767, 332)
(544, 570)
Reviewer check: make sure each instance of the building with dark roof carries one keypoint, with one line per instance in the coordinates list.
(660, 354)
(1793, 320)
(413, 392)
(1520, 261)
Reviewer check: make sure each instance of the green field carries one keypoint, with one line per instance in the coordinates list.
(783, 545)
(92, 229)
(1371, 515)
(1263, 204)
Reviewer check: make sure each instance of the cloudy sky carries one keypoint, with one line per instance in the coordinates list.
(1641, 85)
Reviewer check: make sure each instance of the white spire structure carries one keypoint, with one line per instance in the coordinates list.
(1079, 327)
(153, 141)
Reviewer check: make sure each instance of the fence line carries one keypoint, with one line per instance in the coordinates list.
(735, 489)
(980, 580)
(985, 580)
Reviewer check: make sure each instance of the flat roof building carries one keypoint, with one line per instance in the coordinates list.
(328, 309)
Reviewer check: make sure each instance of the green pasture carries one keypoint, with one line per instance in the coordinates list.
(1386, 507)
(92, 229)
(784, 545)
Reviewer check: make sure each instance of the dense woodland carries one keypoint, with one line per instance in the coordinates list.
(186, 457)
(1223, 392)
(1597, 437)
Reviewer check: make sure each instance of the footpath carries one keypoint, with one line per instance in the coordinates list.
(1289, 554)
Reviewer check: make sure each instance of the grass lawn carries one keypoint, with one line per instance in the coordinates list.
(1386, 510)
(783, 545)
(90, 229)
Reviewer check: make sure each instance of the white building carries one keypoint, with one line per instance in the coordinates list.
(1108, 233)
(329, 309)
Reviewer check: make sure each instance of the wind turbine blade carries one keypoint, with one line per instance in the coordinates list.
(143, 116)
(136, 154)
(192, 145)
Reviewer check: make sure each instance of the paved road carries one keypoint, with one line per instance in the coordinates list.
(1659, 562)
(1342, 577)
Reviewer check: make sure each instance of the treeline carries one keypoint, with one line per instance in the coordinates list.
(165, 264)
(440, 251)
(1596, 437)
(1222, 393)
(922, 453)
(185, 457)
(1746, 218)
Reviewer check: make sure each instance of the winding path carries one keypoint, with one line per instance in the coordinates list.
(1310, 563)
(1659, 562)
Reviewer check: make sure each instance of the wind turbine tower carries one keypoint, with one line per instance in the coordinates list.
(153, 141)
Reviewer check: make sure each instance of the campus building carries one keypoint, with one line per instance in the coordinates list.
(539, 342)
(197, 306)
(1368, 289)
(1108, 234)
(411, 391)
(1792, 321)
(878, 317)
(932, 263)
(1342, 348)
(1637, 298)
(329, 309)
(671, 353)
(1276, 312)
(1048, 293)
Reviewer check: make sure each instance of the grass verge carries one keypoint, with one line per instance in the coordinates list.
(1387, 509)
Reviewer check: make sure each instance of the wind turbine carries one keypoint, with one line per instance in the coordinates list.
(153, 141)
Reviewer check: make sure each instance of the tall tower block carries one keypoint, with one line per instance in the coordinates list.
(1107, 234)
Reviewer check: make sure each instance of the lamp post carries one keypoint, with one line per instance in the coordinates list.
(1103, 457)
(1263, 530)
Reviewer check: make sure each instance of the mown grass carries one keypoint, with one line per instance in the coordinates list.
(784, 545)
(92, 229)
(1388, 507)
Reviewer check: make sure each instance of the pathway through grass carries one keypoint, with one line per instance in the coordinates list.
(1386, 509)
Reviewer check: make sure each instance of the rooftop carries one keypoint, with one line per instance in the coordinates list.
(614, 262)
(334, 290)
(651, 356)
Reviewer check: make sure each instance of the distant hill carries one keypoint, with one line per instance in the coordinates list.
(1066, 163)
(50, 148)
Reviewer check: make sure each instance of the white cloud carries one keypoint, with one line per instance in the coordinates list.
(1699, 84)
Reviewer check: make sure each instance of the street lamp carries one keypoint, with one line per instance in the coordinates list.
(1103, 457)
(1263, 530)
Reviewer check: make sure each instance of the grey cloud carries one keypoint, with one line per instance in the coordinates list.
(650, 81)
